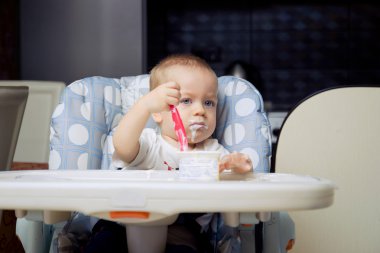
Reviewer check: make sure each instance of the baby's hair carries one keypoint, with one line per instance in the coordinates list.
(188, 60)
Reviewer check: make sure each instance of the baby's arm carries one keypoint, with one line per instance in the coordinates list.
(237, 162)
(127, 134)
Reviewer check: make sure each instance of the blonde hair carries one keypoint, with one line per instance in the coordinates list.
(187, 60)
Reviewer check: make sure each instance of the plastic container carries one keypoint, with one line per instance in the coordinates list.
(199, 165)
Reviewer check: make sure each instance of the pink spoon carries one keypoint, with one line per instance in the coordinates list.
(179, 128)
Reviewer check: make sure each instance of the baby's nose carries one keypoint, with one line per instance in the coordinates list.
(199, 109)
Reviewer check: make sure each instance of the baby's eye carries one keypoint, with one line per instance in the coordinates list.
(209, 103)
(186, 101)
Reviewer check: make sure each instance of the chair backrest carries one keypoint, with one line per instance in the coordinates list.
(12, 106)
(83, 122)
(33, 141)
(335, 135)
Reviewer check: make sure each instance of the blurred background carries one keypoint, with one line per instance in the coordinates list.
(287, 49)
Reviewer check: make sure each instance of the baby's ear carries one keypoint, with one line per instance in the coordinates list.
(157, 117)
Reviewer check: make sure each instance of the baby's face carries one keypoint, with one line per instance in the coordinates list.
(199, 98)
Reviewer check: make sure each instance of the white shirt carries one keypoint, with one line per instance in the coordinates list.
(156, 153)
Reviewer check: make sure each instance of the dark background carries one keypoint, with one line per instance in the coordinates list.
(294, 48)
(9, 40)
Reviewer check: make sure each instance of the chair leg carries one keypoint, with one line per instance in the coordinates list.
(31, 235)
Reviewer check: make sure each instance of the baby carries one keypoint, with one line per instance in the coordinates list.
(189, 83)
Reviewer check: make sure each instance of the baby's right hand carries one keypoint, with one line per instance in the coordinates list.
(161, 97)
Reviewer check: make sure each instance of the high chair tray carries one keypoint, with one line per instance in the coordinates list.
(145, 194)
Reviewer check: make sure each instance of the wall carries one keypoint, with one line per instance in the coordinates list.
(71, 39)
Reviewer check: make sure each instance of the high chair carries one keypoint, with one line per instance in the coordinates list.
(81, 139)
(90, 109)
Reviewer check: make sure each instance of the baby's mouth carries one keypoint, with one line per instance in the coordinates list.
(197, 125)
(194, 127)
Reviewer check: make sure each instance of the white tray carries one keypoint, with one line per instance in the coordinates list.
(134, 196)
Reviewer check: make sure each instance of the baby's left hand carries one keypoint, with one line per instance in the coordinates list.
(238, 162)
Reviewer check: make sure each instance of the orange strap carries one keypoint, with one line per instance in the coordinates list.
(129, 214)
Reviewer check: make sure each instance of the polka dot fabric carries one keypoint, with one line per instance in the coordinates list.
(83, 122)
(242, 123)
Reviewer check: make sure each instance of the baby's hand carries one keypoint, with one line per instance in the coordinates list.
(238, 162)
(161, 97)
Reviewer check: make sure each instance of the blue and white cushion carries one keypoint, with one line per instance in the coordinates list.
(89, 110)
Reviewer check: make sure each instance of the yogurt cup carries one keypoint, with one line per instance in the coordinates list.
(199, 165)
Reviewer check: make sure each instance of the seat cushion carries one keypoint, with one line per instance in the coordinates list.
(242, 124)
(90, 109)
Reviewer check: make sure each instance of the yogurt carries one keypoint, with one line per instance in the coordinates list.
(199, 165)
